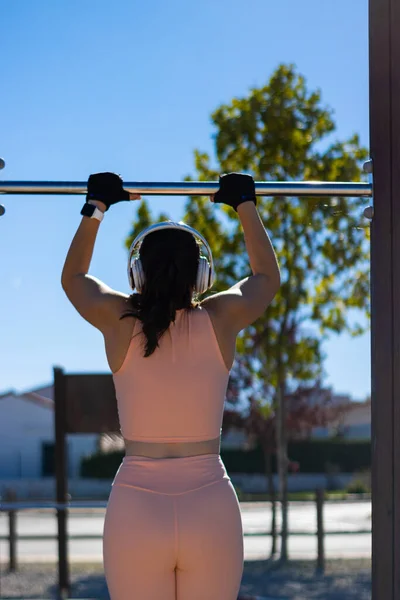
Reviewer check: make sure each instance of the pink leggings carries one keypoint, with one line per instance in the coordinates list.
(173, 531)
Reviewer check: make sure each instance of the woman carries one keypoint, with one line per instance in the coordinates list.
(173, 528)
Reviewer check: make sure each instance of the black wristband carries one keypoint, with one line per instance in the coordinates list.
(245, 199)
(91, 211)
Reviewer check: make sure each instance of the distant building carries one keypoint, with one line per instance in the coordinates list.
(27, 432)
(353, 422)
(344, 417)
(27, 436)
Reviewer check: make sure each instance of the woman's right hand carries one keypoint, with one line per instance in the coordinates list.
(234, 189)
(106, 188)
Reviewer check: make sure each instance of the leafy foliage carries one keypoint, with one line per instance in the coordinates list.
(279, 132)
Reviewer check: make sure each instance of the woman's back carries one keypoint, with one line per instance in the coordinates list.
(177, 394)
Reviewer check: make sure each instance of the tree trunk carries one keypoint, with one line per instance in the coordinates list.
(272, 494)
(281, 441)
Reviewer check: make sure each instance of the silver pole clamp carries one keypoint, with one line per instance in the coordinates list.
(2, 165)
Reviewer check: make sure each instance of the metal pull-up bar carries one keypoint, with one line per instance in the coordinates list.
(195, 188)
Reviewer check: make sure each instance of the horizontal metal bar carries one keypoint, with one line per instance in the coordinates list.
(304, 533)
(6, 506)
(195, 188)
(100, 504)
(99, 536)
(44, 537)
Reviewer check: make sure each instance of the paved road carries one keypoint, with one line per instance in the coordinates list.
(256, 518)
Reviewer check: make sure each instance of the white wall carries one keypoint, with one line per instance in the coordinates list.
(24, 426)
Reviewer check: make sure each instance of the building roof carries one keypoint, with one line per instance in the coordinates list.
(38, 399)
(8, 393)
(34, 396)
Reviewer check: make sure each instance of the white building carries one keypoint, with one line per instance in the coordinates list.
(342, 416)
(27, 437)
(353, 423)
(27, 434)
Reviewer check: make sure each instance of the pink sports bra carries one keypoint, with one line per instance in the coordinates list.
(177, 394)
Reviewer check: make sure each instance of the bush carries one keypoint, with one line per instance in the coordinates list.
(313, 456)
(101, 465)
(239, 493)
(357, 487)
(361, 484)
(321, 456)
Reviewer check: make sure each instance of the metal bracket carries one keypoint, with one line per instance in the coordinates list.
(369, 213)
(2, 165)
(368, 167)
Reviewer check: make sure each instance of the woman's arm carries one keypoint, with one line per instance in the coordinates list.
(94, 300)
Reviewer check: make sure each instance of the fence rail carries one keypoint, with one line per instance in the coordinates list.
(98, 536)
(12, 508)
(6, 506)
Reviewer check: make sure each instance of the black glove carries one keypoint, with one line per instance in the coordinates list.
(235, 188)
(106, 187)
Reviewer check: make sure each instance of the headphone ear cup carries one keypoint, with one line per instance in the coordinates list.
(137, 275)
(203, 276)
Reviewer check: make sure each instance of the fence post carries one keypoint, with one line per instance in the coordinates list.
(319, 497)
(10, 496)
(60, 425)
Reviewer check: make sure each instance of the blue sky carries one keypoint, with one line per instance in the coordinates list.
(129, 87)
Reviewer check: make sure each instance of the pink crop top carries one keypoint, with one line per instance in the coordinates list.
(177, 394)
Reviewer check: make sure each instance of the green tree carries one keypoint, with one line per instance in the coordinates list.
(279, 132)
(259, 421)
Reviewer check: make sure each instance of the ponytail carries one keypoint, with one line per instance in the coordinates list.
(170, 260)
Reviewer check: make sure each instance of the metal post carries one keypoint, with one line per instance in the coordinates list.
(194, 188)
(61, 480)
(319, 501)
(10, 496)
(384, 93)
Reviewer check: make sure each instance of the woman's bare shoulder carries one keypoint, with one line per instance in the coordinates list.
(218, 316)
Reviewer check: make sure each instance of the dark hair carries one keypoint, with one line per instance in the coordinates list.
(170, 259)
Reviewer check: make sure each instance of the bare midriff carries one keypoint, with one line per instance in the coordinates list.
(171, 450)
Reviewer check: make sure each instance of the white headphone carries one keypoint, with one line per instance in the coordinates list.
(205, 272)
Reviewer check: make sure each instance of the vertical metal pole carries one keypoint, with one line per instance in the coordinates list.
(395, 198)
(60, 411)
(384, 80)
(282, 464)
(319, 501)
(12, 541)
(11, 496)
